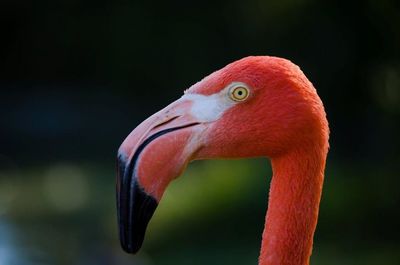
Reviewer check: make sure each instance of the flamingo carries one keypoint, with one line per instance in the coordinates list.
(258, 106)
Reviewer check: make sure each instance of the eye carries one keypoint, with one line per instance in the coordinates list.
(239, 93)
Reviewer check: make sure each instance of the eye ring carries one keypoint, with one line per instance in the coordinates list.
(239, 93)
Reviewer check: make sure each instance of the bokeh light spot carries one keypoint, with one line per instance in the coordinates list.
(66, 187)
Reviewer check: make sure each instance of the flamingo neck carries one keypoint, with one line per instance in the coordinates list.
(293, 206)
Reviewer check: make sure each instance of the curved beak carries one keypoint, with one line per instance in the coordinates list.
(153, 154)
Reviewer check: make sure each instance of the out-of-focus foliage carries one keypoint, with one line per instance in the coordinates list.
(77, 76)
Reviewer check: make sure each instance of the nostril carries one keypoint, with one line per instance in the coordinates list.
(165, 122)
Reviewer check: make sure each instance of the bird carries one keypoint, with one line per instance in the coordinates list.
(257, 106)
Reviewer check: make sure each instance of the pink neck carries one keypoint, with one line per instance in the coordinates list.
(293, 207)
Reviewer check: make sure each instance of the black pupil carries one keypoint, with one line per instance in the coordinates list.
(240, 92)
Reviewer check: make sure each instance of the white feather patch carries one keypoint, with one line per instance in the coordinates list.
(212, 107)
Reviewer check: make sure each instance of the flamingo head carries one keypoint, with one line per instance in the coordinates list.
(257, 106)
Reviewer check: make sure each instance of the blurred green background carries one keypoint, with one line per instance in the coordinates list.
(77, 76)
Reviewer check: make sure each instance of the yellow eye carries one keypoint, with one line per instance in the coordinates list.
(239, 93)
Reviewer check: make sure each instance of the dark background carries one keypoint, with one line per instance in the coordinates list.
(77, 76)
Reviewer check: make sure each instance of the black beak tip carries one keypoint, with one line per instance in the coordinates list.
(130, 248)
(132, 229)
(135, 207)
(132, 236)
